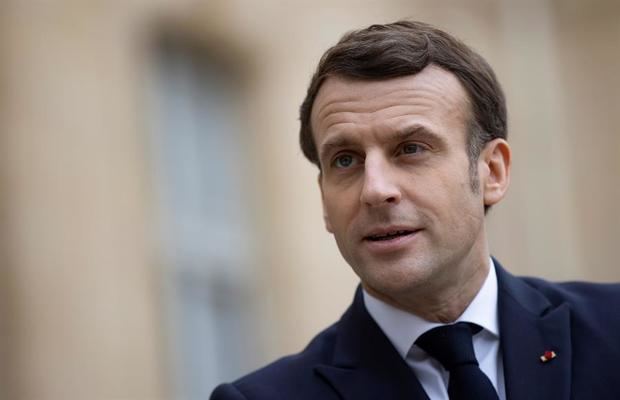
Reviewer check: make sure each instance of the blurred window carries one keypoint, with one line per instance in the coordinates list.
(206, 241)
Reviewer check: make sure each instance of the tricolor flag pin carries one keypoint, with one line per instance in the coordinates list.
(548, 356)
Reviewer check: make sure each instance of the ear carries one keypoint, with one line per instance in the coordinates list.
(494, 171)
(328, 225)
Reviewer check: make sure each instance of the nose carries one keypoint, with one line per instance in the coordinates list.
(380, 184)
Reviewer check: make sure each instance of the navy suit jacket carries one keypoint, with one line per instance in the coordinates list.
(354, 360)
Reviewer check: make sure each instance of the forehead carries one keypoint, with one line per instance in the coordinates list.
(433, 94)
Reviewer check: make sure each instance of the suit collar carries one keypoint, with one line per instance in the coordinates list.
(365, 364)
(529, 326)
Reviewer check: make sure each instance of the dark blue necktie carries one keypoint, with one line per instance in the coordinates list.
(452, 346)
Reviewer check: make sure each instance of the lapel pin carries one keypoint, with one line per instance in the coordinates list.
(548, 356)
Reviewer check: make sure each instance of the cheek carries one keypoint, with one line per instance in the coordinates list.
(340, 206)
(336, 215)
(448, 195)
(431, 191)
(467, 211)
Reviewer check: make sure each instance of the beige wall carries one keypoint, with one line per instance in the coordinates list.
(79, 289)
(558, 69)
(81, 319)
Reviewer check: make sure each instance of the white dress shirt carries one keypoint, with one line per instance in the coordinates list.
(403, 329)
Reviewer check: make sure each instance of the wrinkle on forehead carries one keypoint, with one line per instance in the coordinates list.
(398, 110)
(340, 97)
(340, 101)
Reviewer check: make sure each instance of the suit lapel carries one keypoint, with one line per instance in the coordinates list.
(529, 326)
(365, 364)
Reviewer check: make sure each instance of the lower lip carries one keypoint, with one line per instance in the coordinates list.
(395, 244)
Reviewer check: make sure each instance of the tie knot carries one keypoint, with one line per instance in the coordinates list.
(451, 345)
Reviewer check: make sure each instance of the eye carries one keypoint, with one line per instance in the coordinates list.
(411, 148)
(344, 161)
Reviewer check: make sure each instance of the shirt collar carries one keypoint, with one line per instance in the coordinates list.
(403, 328)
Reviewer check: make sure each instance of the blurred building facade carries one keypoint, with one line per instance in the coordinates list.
(161, 230)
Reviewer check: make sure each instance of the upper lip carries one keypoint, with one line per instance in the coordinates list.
(382, 231)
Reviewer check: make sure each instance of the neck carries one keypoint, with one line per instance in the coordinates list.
(444, 305)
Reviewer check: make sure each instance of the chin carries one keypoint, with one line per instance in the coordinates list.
(395, 280)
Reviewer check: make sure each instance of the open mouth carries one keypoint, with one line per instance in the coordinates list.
(389, 235)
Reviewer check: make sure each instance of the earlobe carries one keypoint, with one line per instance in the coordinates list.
(496, 157)
(328, 225)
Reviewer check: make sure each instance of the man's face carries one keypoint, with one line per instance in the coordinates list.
(395, 180)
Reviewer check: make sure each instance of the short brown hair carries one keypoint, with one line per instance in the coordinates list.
(406, 48)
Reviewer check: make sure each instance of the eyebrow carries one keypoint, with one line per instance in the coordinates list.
(412, 131)
(335, 143)
(345, 140)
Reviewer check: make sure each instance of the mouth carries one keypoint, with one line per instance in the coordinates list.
(389, 235)
(391, 240)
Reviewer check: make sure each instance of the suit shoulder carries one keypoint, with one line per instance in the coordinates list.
(585, 299)
(575, 291)
(291, 376)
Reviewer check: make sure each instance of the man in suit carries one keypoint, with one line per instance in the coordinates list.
(407, 126)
